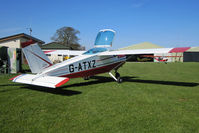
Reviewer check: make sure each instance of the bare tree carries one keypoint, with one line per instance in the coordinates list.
(67, 36)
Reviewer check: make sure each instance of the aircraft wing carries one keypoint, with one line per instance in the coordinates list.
(46, 81)
(64, 52)
(146, 51)
(137, 51)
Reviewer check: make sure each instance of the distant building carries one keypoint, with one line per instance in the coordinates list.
(180, 54)
(54, 46)
(191, 55)
(141, 58)
(144, 45)
(14, 57)
(57, 52)
(15, 41)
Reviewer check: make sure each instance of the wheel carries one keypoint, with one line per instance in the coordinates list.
(119, 80)
(117, 75)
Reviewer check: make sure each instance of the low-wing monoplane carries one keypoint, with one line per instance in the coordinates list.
(94, 61)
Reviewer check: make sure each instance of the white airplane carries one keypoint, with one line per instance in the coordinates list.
(95, 61)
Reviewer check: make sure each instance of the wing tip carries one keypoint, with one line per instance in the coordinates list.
(62, 82)
(14, 77)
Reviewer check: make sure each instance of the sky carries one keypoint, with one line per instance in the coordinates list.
(168, 23)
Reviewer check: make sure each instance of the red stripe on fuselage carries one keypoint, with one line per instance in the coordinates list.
(92, 72)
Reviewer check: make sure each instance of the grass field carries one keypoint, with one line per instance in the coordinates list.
(154, 97)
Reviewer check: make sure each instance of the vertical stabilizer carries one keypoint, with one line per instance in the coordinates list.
(36, 58)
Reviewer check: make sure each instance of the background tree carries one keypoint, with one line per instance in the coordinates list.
(67, 36)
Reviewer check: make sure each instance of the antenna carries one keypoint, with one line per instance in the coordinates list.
(30, 30)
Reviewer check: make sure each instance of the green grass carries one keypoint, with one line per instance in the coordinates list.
(154, 97)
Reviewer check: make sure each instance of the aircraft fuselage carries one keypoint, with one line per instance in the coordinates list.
(85, 66)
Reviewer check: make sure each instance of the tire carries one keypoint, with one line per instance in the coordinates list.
(117, 75)
(119, 80)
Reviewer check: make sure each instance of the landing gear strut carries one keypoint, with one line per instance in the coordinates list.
(116, 77)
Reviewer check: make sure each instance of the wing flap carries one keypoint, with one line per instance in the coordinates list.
(46, 81)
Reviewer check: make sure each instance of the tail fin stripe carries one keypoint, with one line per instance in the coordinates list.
(36, 58)
(42, 58)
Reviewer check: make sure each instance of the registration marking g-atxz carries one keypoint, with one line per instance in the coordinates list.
(82, 66)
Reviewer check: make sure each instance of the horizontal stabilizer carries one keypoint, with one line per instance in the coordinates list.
(46, 81)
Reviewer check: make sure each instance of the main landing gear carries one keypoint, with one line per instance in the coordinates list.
(116, 77)
(86, 78)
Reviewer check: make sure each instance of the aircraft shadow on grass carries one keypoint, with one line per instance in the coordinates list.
(103, 79)
(57, 91)
(135, 79)
(97, 80)
(175, 83)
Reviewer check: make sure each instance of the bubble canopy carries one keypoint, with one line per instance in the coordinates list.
(104, 38)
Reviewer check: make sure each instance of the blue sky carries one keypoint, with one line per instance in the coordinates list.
(169, 23)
